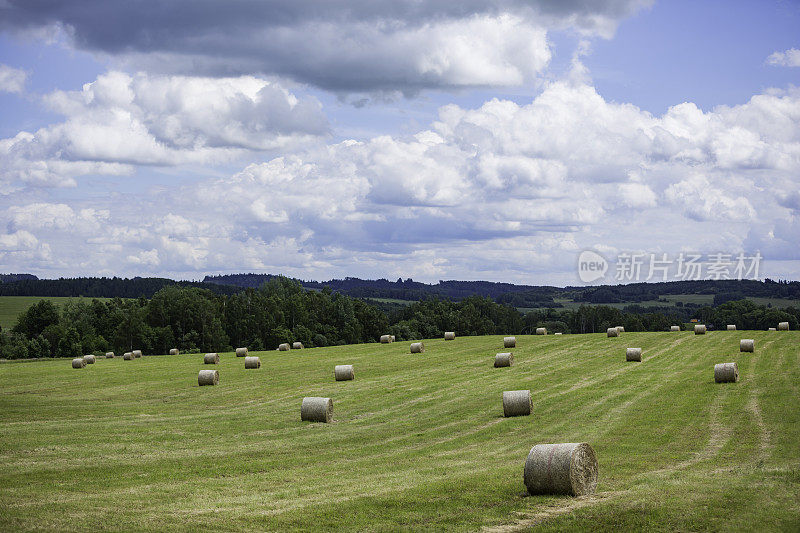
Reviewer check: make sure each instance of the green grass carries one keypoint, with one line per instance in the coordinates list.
(418, 442)
(671, 301)
(12, 306)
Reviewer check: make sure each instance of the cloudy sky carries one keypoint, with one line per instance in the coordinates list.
(434, 140)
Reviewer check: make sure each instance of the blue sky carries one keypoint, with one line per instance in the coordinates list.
(478, 140)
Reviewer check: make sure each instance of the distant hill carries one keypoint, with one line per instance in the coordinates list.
(10, 278)
(101, 287)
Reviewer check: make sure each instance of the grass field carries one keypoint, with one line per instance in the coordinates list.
(672, 300)
(12, 306)
(418, 441)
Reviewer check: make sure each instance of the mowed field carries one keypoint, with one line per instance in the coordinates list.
(419, 442)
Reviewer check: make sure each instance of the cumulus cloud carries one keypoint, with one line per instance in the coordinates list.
(340, 45)
(787, 58)
(121, 120)
(12, 80)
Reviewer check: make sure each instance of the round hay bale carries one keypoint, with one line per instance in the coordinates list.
(633, 354)
(211, 359)
(78, 362)
(417, 347)
(612, 332)
(252, 362)
(509, 342)
(109, 355)
(137, 354)
(90, 359)
(503, 359)
(516, 403)
(557, 333)
(174, 351)
(241, 352)
(620, 329)
(541, 331)
(674, 328)
(770, 329)
(297, 346)
(569, 468)
(343, 372)
(726, 373)
(783, 326)
(391, 337)
(699, 329)
(316, 409)
(731, 327)
(284, 347)
(208, 377)
(747, 345)
(386, 339)
(128, 356)
(449, 335)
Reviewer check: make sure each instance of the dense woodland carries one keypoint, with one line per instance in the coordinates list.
(194, 319)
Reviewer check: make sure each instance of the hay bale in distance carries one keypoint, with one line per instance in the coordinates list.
(509, 342)
(747, 345)
(726, 373)
(612, 332)
(770, 329)
(211, 359)
(731, 327)
(109, 355)
(620, 329)
(569, 468)
(128, 356)
(516, 403)
(297, 345)
(252, 362)
(174, 351)
(541, 331)
(633, 354)
(783, 326)
(417, 347)
(503, 359)
(284, 347)
(699, 329)
(674, 328)
(392, 338)
(557, 333)
(208, 377)
(241, 352)
(90, 359)
(386, 339)
(78, 362)
(137, 354)
(449, 335)
(343, 372)
(316, 409)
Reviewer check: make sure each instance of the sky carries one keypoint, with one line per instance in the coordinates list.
(431, 140)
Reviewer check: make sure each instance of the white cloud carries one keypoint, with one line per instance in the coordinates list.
(787, 58)
(12, 80)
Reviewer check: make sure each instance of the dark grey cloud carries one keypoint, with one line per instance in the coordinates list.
(340, 45)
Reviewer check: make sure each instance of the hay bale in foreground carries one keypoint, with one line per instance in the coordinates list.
(417, 347)
(343, 372)
(541, 331)
(208, 377)
(252, 362)
(731, 327)
(386, 339)
(503, 359)
(78, 362)
(516, 403)
(137, 353)
(633, 354)
(674, 328)
(211, 359)
(509, 342)
(747, 345)
(174, 351)
(297, 346)
(726, 373)
(241, 352)
(612, 332)
(316, 409)
(569, 468)
(449, 335)
(284, 347)
(89, 358)
(699, 329)
(109, 355)
(783, 326)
